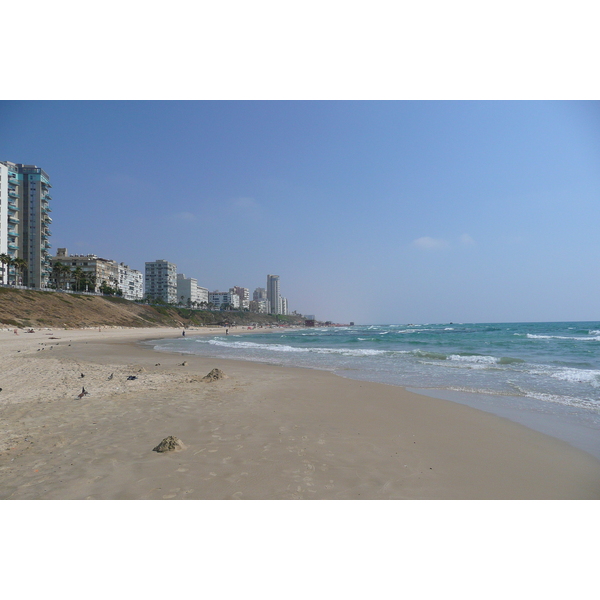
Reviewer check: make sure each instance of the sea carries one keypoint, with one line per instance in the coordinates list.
(545, 376)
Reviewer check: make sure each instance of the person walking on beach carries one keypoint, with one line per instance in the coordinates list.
(183, 333)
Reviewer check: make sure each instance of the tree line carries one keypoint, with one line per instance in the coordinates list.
(19, 266)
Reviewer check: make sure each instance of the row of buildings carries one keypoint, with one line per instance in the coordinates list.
(163, 283)
(26, 260)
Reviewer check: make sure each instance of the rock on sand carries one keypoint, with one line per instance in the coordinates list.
(169, 444)
(214, 375)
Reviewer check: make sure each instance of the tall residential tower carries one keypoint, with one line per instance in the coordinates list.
(273, 294)
(25, 223)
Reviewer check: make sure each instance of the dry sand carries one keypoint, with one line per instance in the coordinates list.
(265, 432)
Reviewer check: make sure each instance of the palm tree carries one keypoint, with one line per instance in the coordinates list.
(60, 273)
(21, 265)
(79, 276)
(6, 261)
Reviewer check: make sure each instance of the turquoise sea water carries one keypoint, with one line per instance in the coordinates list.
(530, 372)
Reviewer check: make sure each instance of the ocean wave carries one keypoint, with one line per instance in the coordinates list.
(590, 376)
(470, 359)
(587, 403)
(285, 348)
(532, 336)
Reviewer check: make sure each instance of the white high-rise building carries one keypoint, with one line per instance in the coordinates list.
(131, 282)
(161, 281)
(244, 295)
(25, 223)
(273, 294)
(187, 289)
(201, 295)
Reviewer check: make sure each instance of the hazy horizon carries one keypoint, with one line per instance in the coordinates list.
(375, 212)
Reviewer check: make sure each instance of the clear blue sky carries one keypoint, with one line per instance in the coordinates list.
(369, 211)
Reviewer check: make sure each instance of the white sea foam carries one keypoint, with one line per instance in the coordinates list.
(285, 348)
(488, 360)
(590, 376)
(563, 337)
(587, 403)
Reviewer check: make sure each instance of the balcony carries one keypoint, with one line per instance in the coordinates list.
(12, 246)
(13, 233)
(13, 181)
(48, 219)
(12, 219)
(12, 206)
(47, 198)
(13, 194)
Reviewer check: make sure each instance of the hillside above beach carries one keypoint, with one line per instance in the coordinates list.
(29, 308)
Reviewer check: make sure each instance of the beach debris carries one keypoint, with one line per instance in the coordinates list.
(82, 376)
(142, 370)
(83, 393)
(169, 444)
(183, 364)
(157, 365)
(110, 376)
(131, 377)
(214, 375)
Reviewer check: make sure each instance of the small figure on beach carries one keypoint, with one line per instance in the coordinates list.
(83, 393)
(16, 332)
(227, 332)
(183, 333)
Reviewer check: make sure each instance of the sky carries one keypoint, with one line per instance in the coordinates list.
(369, 211)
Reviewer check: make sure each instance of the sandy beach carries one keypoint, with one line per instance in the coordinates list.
(264, 432)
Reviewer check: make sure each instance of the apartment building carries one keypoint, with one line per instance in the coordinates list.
(202, 295)
(131, 282)
(161, 281)
(187, 290)
(244, 296)
(221, 299)
(25, 224)
(273, 294)
(260, 306)
(94, 271)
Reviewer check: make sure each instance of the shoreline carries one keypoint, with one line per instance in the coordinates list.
(578, 427)
(266, 432)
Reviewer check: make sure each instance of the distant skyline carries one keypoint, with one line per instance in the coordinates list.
(369, 211)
